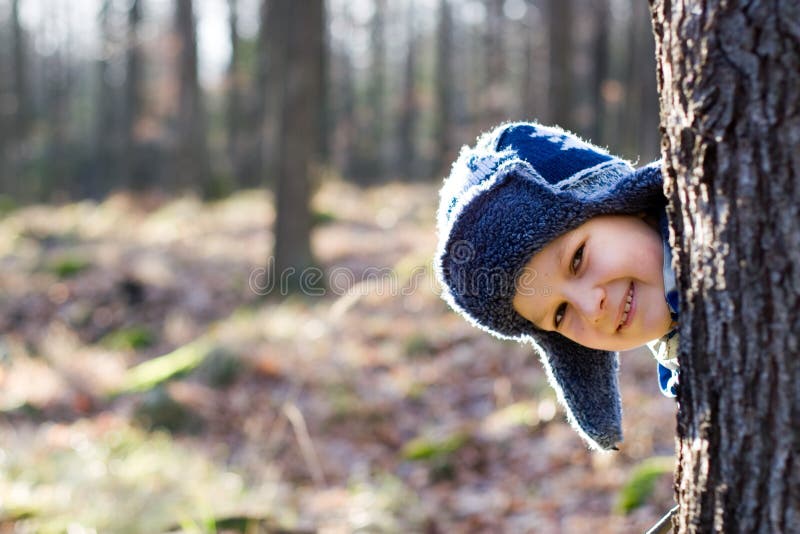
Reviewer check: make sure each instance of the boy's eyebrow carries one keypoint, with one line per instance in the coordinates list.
(560, 256)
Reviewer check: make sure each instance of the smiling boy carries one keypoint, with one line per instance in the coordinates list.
(548, 239)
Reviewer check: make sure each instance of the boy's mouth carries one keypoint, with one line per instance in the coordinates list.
(627, 309)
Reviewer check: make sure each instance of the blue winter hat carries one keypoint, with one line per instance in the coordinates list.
(520, 187)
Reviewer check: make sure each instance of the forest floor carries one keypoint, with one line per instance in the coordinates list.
(365, 407)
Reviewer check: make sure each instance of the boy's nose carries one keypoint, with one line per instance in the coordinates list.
(592, 304)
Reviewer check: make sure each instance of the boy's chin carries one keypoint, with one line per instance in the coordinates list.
(624, 347)
(633, 344)
(620, 346)
(653, 336)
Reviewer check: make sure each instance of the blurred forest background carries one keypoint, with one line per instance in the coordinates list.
(102, 95)
(155, 154)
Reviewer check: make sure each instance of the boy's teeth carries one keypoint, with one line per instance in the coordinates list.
(627, 307)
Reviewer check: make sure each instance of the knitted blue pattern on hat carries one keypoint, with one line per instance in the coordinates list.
(521, 186)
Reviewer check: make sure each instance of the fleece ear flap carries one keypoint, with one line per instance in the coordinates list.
(586, 383)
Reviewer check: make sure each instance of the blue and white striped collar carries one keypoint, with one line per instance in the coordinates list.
(665, 349)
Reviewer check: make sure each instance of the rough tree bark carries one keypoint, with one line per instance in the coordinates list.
(729, 73)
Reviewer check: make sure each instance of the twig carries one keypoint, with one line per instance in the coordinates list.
(664, 524)
(295, 417)
(277, 427)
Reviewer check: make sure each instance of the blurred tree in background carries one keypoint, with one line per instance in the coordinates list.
(296, 54)
(190, 162)
(185, 95)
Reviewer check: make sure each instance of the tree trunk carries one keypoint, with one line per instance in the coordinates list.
(134, 97)
(192, 152)
(298, 154)
(495, 98)
(7, 114)
(730, 116)
(233, 110)
(323, 90)
(106, 134)
(54, 180)
(376, 96)
(343, 116)
(560, 90)
(639, 111)
(408, 110)
(600, 68)
(648, 139)
(21, 91)
(444, 89)
(263, 157)
(534, 85)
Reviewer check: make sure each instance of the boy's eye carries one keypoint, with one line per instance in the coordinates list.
(576, 259)
(559, 316)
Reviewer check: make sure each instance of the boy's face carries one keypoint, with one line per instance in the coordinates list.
(580, 284)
